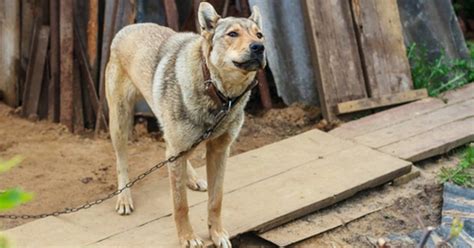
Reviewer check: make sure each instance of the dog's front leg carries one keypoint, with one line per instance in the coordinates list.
(178, 179)
(216, 156)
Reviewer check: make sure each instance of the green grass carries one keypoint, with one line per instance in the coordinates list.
(441, 74)
(463, 173)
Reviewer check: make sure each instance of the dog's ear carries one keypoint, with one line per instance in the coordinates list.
(207, 17)
(256, 17)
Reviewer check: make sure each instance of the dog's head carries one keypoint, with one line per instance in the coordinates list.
(233, 42)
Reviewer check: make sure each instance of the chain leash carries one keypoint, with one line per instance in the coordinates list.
(219, 118)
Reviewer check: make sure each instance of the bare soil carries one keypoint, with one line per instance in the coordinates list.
(66, 170)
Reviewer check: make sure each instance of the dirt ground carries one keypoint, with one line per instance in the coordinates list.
(65, 170)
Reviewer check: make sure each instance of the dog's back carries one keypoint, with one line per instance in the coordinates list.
(136, 49)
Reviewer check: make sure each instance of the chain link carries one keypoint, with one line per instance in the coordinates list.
(219, 118)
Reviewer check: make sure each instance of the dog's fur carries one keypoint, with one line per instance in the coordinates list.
(165, 68)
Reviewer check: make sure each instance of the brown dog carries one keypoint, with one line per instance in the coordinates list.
(166, 69)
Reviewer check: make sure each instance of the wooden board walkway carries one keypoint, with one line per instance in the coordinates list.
(414, 131)
(418, 130)
(264, 188)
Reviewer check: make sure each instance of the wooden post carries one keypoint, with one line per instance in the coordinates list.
(171, 14)
(265, 97)
(108, 34)
(66, 44)
(10, 49)
(29, 13)
(92, 38)
(53, 91)
(35, 72)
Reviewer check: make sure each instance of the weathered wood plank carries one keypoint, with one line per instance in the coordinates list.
(335, 216)
(93, 39)
(386, 118)
(244, 169)
(383, 53)
(433, 142)
(381, 101)
(295, 193)
(66, 44)
(78, 118)
(171, 11)
(35, 73)
(110, 14)
(335, 53)
(458, 95)
(53, 91)
(423, 123)
(10, 48)
(301, 180)
(29, 13)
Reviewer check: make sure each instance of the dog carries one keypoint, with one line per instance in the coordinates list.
(172, 72)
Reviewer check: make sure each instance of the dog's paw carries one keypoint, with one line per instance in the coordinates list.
(197, 184)
(220, 238)
(192, 241)
(124, 203)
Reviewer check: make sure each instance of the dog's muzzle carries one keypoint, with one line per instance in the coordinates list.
(256, 58)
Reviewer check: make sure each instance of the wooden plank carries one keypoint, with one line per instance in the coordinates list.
(335, 53)
(78, 118)
(339, 215)
(433, 142)
(242, 170)
(29, 13)
(110, 14)
(35, 74)
(53, 91)
(171, 12)
(383, 52)
(301, 180)
(458, 95)
(29, 235)
(423, 123)
(382, 101)
(93, 39)
(386, 118)
(10, 47)
(294, 193)
(43, 99)
(66, 43)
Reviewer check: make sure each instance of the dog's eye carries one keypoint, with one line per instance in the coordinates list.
(259, 35)
(233, 34)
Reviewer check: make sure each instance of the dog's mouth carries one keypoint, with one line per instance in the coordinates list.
(249, 65)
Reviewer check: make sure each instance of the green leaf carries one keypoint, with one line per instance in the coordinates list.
(7, 165)
(13, 197)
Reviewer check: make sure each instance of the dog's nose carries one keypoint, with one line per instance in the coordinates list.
(257, 48)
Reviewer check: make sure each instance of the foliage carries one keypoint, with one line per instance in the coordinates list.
(465, 7)
(441, 74)
(463, 173)
(11, 198)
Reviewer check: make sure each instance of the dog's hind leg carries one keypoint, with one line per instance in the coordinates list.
(121, 95)
(194, 182)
